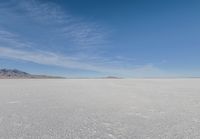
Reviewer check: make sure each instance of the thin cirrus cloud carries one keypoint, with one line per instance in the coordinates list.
(61, 23)
(90, 63)
(115, 66)
(9, 39)
(80, 32)
(48, 58)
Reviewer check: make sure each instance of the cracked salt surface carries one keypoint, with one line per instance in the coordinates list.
(100, 109)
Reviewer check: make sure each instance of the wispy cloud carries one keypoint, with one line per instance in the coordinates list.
(49, 58)
(77, 30)
(13, 47)
(46, 26)
(9, 39)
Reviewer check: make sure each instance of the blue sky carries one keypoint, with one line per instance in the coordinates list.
(93, 38)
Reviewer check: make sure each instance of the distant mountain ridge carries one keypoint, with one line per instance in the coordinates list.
(112, 77)
(17, 74)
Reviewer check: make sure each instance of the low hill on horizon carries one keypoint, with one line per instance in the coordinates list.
(18, 74)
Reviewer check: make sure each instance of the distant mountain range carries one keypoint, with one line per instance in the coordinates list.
(17, 74)
(112, 77)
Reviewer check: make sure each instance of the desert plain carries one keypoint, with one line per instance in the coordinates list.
(100, 108)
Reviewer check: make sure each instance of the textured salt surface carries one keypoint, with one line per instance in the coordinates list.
(100, 109)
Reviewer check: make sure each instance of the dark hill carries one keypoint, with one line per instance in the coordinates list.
(17, 74)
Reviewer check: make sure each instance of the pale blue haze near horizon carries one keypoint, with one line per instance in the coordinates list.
(93, 38)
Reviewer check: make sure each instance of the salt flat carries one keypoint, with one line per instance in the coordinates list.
(100, 109)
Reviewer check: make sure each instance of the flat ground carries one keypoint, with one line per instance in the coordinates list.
(100, 109)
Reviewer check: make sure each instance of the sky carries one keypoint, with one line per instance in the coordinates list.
(96, 38)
